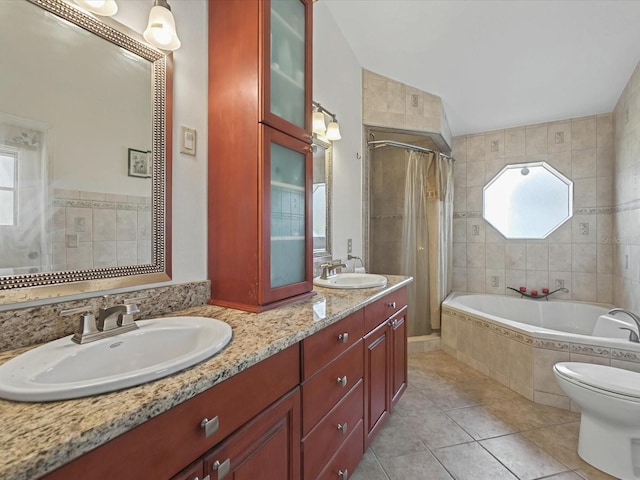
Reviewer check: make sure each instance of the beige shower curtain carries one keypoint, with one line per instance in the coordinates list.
(427, 238)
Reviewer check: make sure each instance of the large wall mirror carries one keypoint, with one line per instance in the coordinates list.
(322, 180)
(528, 200)
(85, 154)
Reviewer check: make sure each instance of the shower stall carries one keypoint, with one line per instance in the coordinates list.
(408, 219)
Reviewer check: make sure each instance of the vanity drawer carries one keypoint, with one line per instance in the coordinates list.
(378, 311)
(165, 444)
(326, 437)
(345, 461)
(322, 347)
(321, 392)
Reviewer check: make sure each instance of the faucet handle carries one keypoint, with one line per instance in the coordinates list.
(71, 311)
(86, 324)
(126, 318)
(86, 327)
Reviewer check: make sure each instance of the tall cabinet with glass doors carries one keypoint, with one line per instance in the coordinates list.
(260, 172)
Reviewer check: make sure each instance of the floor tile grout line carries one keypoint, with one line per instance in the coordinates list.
(455, 381)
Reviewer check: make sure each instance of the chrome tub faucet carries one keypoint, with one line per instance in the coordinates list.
(633, 336)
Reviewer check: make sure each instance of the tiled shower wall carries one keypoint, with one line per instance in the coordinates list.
(626, 219)
(579, 254)
(95, 230)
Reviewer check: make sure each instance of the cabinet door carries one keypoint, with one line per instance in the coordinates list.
(287, 72)
(265, 449)
(398, 355)
(376, 372)
(286, 215)
(192, 472)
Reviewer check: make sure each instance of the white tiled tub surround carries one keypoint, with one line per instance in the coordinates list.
(580, 252)
(626, 217)
(522, 360)
(95, 230)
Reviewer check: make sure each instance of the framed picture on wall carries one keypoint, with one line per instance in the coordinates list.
(139, 163)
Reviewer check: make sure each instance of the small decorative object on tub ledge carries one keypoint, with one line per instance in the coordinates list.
(534, 293)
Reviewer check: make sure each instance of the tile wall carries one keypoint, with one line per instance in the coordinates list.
(580, 252)
(95, 230)
(389, 103)
(626, 218)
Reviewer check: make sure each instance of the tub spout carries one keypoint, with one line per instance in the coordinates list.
(633, 336)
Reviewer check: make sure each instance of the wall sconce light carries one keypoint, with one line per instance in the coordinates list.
(161, 29)
(330, 132)
(106, 8)
(317, 124)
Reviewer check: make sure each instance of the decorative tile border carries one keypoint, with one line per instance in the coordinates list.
(576, 211)
(551, 345)
(593, 350)
(481, 322)
(625, 355)
(542, 343)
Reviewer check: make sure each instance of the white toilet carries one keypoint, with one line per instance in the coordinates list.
(609, 399)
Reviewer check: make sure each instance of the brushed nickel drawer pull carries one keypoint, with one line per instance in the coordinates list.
(210, 426)
(391, 304)
(343, 475)
(343, 337)
(343, 428)
(222, 468)
(342, 381)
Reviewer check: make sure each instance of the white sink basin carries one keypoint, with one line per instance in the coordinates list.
(61, 369)
(352, 280)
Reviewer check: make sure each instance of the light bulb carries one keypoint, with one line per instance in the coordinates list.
(318, 125)
(333, 131)
(105, 8)
(161, 29)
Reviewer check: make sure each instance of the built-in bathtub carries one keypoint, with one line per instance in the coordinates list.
(517, 341)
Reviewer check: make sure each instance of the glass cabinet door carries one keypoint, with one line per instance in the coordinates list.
(288, 96)
(288, 165)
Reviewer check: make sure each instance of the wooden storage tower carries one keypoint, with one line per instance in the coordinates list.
(260, 175)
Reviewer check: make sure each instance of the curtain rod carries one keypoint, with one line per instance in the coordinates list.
(408, 146)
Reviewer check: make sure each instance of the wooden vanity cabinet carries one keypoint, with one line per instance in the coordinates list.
(164, 445)
(260, 252)
(195, 471)
(266, 448)
(333, 398)
(385, 363)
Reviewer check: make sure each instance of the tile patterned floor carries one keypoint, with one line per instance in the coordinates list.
(455, 423)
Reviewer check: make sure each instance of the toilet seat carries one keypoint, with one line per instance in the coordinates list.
(604, 378)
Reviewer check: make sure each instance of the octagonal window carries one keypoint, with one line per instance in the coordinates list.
(528, 200)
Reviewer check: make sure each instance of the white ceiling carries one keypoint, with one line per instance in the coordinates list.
(499, 64)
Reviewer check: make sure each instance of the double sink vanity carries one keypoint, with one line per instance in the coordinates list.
(299, 392)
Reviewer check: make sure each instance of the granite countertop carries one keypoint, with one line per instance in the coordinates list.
(37, 438)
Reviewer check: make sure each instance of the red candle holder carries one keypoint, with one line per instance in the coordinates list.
(534, 293)
(545, 290)
(523, 289)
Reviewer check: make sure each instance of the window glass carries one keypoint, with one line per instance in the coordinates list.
(7, 171)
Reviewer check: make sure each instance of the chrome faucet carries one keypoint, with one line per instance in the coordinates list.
(329, 269)
(117, 316)
(111, 321)
(633, 336)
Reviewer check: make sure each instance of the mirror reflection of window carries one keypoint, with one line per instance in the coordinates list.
(321, 193)
(8, 161)
(528, 200)
(319, 217)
